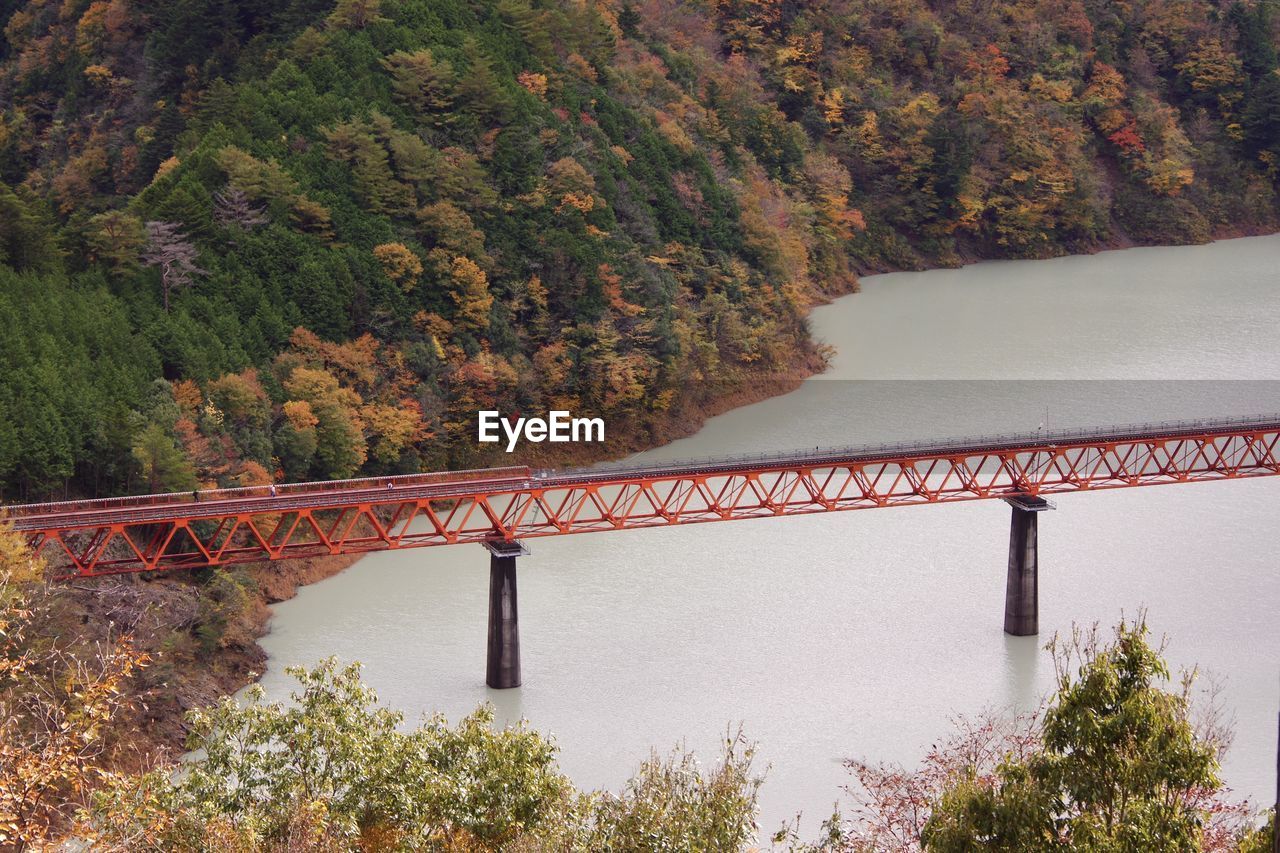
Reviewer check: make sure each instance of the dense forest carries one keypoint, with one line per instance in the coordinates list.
(247, 241)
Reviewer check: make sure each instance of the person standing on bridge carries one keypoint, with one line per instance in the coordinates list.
(273, 490)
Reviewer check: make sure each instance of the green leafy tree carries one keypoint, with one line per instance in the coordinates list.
(355, 14)
(295, 439)
(334, 768)
(479, 90)
(420, 80)
(1261, 120)
(371, 172)
(164, 466)
(115, 238)
(629, 21)
(1120, 767)
(1111, 763)
(339, 431)
(1255, 35)
(671, 804)
(159, 405)
(27, 238)
(258, 180)
(1261, 839)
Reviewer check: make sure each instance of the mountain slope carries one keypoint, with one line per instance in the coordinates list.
(312, 239)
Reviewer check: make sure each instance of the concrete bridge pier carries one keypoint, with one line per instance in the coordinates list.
(502, 668)
(1022, 593)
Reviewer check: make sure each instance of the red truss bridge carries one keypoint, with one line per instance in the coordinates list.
(499, 507)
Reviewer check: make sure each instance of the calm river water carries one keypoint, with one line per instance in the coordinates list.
(860, 634)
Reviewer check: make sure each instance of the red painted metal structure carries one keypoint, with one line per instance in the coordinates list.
(173, 531)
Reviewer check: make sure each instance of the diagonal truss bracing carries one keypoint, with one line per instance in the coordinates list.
(100, 538)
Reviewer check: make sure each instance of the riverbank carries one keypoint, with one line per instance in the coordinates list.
(1117, 239)
(200, 635)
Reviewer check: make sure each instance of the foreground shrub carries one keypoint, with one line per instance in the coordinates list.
(333, 771)
(1117, 760)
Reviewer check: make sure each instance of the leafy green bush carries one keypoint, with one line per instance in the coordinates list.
(333, 771)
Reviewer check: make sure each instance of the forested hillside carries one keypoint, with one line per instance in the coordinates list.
(242, 241)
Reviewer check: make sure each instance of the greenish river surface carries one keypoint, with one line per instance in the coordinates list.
(861, 633)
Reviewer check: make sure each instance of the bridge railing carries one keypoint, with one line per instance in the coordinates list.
(1039, 438)
(281, 490)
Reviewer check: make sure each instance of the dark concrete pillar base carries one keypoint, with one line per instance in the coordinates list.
(1022, 593)
(502, 668)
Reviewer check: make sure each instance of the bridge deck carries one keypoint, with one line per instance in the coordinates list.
(151, 532)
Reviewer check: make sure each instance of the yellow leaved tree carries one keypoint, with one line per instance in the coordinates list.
(56, 705)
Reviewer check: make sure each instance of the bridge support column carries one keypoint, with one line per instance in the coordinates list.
(1022, 592)
(502, 669)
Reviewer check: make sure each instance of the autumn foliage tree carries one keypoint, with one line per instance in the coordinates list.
(470, 292)
(56, 707)
(399, 263)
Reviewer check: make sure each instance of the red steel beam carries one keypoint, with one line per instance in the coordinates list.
(96, 538)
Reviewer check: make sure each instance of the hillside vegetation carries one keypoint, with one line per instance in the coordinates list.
(299, 239)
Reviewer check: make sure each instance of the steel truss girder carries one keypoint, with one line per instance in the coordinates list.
(626, 502)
